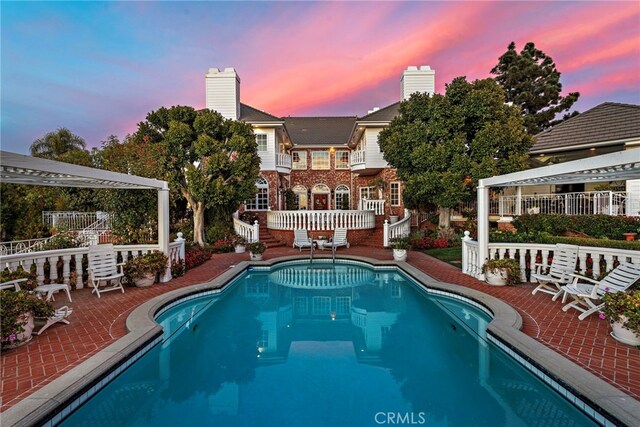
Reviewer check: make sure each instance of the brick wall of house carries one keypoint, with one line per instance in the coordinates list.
(387, 175)
(355, 237)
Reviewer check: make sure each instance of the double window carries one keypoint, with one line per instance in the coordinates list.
(320, 160)
(261, 139)
(260, 201)
(299, 159)
(342, 160)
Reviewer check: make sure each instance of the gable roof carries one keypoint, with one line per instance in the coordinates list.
(385, 114)
(320, 130)
(605, 123)
(249, 114)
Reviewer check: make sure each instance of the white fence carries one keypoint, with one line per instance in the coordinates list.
(21, 246)
(250, 232)
(376, 205)
(57, 265)
(72, 220)
(584, 203)
(401, 228)
(320, 220)
(598, 260)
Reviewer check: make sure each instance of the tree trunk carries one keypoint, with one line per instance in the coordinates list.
(198, 223)
(445, 214)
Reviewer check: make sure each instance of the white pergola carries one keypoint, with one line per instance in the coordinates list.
(618, 166)
(20, 169)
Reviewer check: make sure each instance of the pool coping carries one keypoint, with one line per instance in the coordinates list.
(47, 403)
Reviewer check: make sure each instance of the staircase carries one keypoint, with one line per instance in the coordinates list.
(268, 239)
(376, 238)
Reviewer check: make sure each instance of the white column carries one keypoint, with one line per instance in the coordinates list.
(163, 229)
(483, 225)
(518, 201)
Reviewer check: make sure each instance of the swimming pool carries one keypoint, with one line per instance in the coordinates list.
(326, 344)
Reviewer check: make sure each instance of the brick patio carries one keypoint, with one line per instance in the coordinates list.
(96, 323)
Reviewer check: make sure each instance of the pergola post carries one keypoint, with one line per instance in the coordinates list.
(483, 226)
(163, 229)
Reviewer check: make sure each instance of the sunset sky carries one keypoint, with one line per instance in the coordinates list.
(98, 68)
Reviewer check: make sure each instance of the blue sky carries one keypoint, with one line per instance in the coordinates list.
(99, 67)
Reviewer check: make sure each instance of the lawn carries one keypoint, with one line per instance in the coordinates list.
(452, 256)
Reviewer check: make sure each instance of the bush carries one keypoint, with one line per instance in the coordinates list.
(151, 263)
(13, 305)
(506, 236)
(177, 268)
(599, 226)
(218, 232)
(63, 240)
(440, 243)
(223, 246)
(19, 273)
(618, 304)
(195, 256)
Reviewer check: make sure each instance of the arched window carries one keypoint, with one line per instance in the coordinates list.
(343, 200)
(301, 196)
(260, 202)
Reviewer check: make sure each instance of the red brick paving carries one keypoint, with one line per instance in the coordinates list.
(96, 323)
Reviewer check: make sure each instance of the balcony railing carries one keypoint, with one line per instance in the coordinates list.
(376, 205)
(320, 220)
(283, 160)
(584, 203)
(358, 157)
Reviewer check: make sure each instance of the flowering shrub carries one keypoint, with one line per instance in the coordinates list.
(424, 242)
(618, 304)
(195, 256)
(13, 306)
(223, 246)
(441, 243)
(177, 268)
(7, 276)
(64, 240)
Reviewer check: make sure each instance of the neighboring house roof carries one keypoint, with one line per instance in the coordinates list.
(385, 114)
(607, 122)
(250, 114)
(320, 130)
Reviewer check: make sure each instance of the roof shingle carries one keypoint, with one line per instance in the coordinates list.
(385, 114)
(320, 130)
(250, 114)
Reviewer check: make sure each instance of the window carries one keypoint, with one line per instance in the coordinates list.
(320, 160)
(299, 159)
(396, 292)
(301, 196)
(300, 305)
(367, 193)
(261, 200)
(394, 193)
(343, 305)
(263, 342)
(342, 197)
(261, 139)
(342, 160)
(321, 305)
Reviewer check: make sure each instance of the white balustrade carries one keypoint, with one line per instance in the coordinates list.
(583, 203)
(401, 228)
(320, 220)
(358, 157)
(250, 232)
(376, 205)
(599, 260)
(72, 220)
(283, 160)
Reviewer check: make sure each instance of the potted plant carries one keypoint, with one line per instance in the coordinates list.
(256, 249)
(622, 310)
(239, 243)
(629, 236)
(400, 245)
(143, 269)
(393, 216)
(18, 310)
(500, 272)
(24, 279)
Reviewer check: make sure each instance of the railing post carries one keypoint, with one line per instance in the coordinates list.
(181, 250)
(465, 252)
(256, 232)
(386, 233)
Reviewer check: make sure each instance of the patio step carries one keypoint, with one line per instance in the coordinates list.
(269, 241)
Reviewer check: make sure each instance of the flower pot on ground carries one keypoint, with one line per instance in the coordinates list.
(501, 272)
(256, 249)
(393, 219)
(399, 245)
(629, 236)
(621, 309)
(18, 310)
(142, 270)
(239, 243)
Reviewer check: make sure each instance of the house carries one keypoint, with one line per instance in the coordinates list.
(329, 163)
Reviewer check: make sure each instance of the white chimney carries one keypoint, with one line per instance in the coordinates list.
(416, 79)
(373, 110)
(223, 92)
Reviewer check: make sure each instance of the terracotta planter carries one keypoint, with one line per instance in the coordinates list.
(240, 249)
(255, 257)
(497, 277)
(624, 335)
(629, 236)
(146, 280)
(399, 254)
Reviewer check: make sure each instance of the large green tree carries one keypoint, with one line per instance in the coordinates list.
(441, 145)
(211, 161)
(532, 83)
(57, 144)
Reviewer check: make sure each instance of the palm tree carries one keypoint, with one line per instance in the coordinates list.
(55, 144)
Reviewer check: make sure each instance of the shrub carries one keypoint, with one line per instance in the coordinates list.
(177, 268)
(440, 243)
(195, 256)
(63, 240)
(13, 306)
(618, 304)
(19, 273)
(222, 246)
(600, 226)
(151, 263)
(218, 232)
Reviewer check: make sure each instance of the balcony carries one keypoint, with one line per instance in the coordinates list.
(283, 163)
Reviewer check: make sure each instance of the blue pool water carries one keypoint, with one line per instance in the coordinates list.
(326, 345)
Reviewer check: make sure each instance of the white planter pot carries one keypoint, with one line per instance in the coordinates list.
(240, 249)
(497, 278)
(24, 336)
(393, 219)
(146, 280)
(255, 257)
(624, 335)
(399, 254)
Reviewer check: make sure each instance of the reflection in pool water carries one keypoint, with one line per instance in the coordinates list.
(325, 345)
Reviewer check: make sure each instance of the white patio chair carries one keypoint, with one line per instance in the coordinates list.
(301, 239)
(586, 297)
(560, 271)
(339, 239)
(104, 270)
(60, 315)
(50, 289)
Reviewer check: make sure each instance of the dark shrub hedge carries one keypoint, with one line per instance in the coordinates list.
(599, 226)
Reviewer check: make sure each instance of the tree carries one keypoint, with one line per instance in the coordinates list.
(441, 145)
(56, 144)
(532, 83)
(211, 161)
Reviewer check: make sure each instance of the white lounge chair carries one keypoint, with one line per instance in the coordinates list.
(50, 289)
(560, 271)
(339, 239)
(586, 297)
(104, 270)
(301, 239)
(60, 315)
